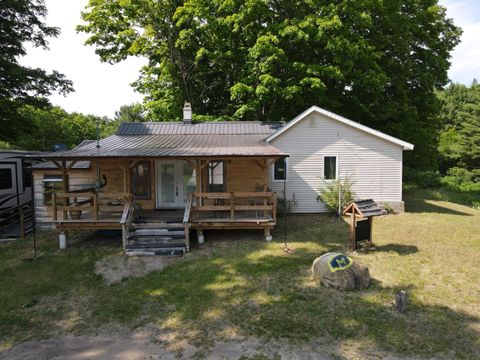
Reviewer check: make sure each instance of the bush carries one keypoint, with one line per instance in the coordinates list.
(462, 179)
(329, 194)
(423, 179)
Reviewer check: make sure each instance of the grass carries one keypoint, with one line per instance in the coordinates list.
(249, 287)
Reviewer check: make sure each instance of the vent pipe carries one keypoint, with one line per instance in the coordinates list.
(187, 113)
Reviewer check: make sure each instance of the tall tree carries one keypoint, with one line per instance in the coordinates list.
(377, 62)
(129, 113)
(53, 125)
(460, 135)
(21, 21)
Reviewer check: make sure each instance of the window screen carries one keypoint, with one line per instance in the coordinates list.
(280, 169)
(330, 167)
(216, 176)
(5, 179)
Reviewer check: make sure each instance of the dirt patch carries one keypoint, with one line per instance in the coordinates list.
(115, 268)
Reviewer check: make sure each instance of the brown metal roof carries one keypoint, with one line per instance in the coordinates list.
(200, 128)
(172, 146)
(51, 165)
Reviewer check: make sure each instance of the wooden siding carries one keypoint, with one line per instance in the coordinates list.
(246, 175)
(373, 164)
(242, 175)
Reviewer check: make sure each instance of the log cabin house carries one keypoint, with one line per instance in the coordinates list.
(158, 181)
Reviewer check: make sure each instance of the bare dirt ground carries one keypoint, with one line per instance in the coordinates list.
(115, 268)
(139, 346)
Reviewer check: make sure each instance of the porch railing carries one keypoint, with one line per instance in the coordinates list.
(72, 206)
(186, 221)
(234, 206)
(127, 219)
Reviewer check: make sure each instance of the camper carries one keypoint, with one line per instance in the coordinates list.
(15, 193)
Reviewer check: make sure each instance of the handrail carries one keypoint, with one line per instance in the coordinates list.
(15, 207)
(188, 207)
(126, 211)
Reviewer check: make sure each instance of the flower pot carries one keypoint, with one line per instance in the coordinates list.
(75, 214)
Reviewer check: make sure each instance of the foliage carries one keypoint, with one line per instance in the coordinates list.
(20, 23)
(129, 113)
(375, 61)
(421, 178)
(329, 194)
(460, 136)
(251, 288)
(53, 125)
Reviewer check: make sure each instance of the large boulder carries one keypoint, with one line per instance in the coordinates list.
(338, 271)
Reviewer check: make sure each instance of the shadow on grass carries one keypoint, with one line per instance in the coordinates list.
(258, 290)
(414, 204)
(398, 248)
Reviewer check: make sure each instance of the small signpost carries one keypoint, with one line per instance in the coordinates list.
(361, 219)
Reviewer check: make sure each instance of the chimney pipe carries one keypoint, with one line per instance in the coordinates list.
(187, 113)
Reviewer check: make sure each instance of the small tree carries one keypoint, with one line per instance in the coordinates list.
(329, 194)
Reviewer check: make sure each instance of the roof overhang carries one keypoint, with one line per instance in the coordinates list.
(405, 145)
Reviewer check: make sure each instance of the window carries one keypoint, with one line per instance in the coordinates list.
(5, 179)
(216, 176)
(280, 169)
(51, 184)
(312, 122)
(140, 180)
(330, 167)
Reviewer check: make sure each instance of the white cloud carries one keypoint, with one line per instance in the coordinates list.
(100, 88)
(465, 57)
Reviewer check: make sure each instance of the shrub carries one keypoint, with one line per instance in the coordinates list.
(328, 194)
(424, 179)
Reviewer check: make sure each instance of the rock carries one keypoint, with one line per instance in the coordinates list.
(338, 271)
(401, 301)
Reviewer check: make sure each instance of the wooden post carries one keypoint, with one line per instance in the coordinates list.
(22, 223)
(65, 187)
(54, 207)
(95, 206)
(352, 231)
(124, 236)
(125, 168)
(232, 206)
(370, 223)
(187, 237)
(274, 208)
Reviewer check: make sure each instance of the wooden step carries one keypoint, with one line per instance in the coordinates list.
(157, 225)
(157, 232)
(153, 252)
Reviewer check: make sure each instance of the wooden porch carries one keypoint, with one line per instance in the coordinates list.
(117, 211)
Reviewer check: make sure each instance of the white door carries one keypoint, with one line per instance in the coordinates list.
(175, 182)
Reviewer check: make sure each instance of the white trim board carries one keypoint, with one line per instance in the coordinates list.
(331, 115)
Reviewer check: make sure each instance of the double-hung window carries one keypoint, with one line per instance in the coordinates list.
(330, 168)
(280, 169)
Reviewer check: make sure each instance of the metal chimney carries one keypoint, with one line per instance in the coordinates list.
(187, 113)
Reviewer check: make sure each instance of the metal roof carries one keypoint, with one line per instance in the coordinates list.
(199, 128)
(172, 146)
(51, 165)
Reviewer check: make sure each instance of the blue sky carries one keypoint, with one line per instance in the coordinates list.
(102, 88)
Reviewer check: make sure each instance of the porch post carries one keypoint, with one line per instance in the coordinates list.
(65, 187)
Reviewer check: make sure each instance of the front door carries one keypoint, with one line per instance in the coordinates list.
(176, 180)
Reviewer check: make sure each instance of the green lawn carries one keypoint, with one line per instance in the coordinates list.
(250, 287)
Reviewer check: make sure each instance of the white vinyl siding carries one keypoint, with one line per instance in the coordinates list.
(373, 164)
